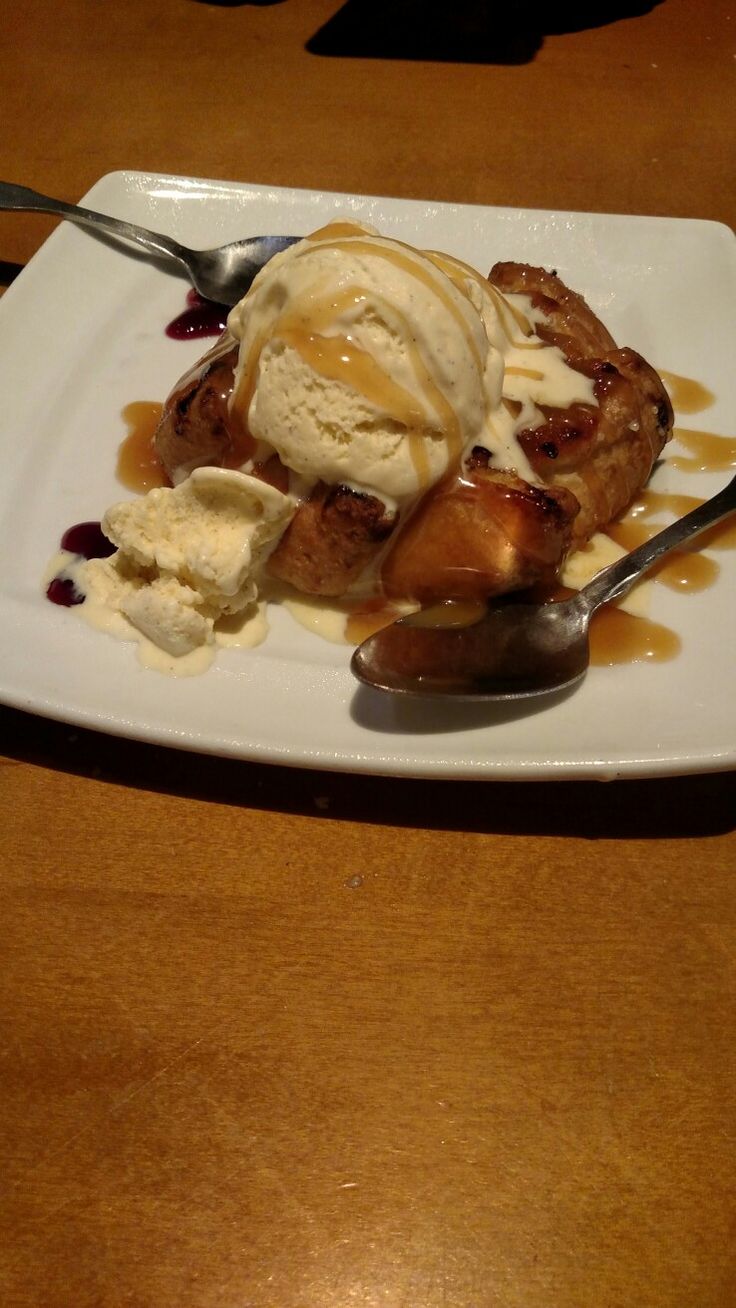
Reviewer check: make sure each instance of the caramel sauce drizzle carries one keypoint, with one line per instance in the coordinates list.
(710, 453)
(308, 328)
(138, 465)
(720, 537)
(650, 503)
(506, 308)
(687, 395)
(408, 263)
(619, 637)
(615, 636)
(306, 325)
(339, 358)
(332, 231)
(680, 570)
(524, 372)
(460, 272)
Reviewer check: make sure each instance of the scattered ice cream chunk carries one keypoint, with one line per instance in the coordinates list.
(187, 556)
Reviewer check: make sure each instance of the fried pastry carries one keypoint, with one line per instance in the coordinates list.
(603, 453)
(485, 528)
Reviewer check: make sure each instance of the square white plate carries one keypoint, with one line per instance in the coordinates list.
(82, 335)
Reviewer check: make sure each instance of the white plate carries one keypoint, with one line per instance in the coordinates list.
(82, 335)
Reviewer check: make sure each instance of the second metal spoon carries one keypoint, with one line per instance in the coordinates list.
(223, 274)
(516, 650)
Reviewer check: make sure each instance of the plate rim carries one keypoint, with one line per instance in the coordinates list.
(379, 762)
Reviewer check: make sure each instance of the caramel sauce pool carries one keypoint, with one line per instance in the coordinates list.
(138, 466)
(619, 637)
(709, 453)
(687, 395)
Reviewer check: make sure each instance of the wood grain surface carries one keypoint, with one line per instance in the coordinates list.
(287, 1039)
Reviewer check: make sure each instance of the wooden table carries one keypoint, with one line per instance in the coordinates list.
(282, 1039)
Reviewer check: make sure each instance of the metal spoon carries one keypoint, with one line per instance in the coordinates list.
(515, 650)
(223, 274)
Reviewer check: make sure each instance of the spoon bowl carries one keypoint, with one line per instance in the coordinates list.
(512, 651)
(223, 274)
(515, 650)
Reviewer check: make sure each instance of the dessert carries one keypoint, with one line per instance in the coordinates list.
(383, 423)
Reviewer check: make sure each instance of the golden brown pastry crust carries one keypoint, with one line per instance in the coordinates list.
(603, 454)
(331, 539)
(197, 428)
(569, 322)
(483, 534)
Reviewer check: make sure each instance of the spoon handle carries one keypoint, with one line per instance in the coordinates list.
(23, 198)
(617, 579)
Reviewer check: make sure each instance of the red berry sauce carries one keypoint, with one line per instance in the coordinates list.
(87, 541)
(200, 318)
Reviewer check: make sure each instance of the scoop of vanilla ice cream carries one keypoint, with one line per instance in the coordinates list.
(187, 555)
(366, 362)
(361, 362)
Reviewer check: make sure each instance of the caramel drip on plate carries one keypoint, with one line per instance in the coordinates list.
(710, 453)
(650, 502)
(618, 637)
(680, 570)
(722, 536)
(138, 466)
(687, 395)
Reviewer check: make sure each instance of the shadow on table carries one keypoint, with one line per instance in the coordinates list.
(9, 272)
(655, 808)
(467, 31)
